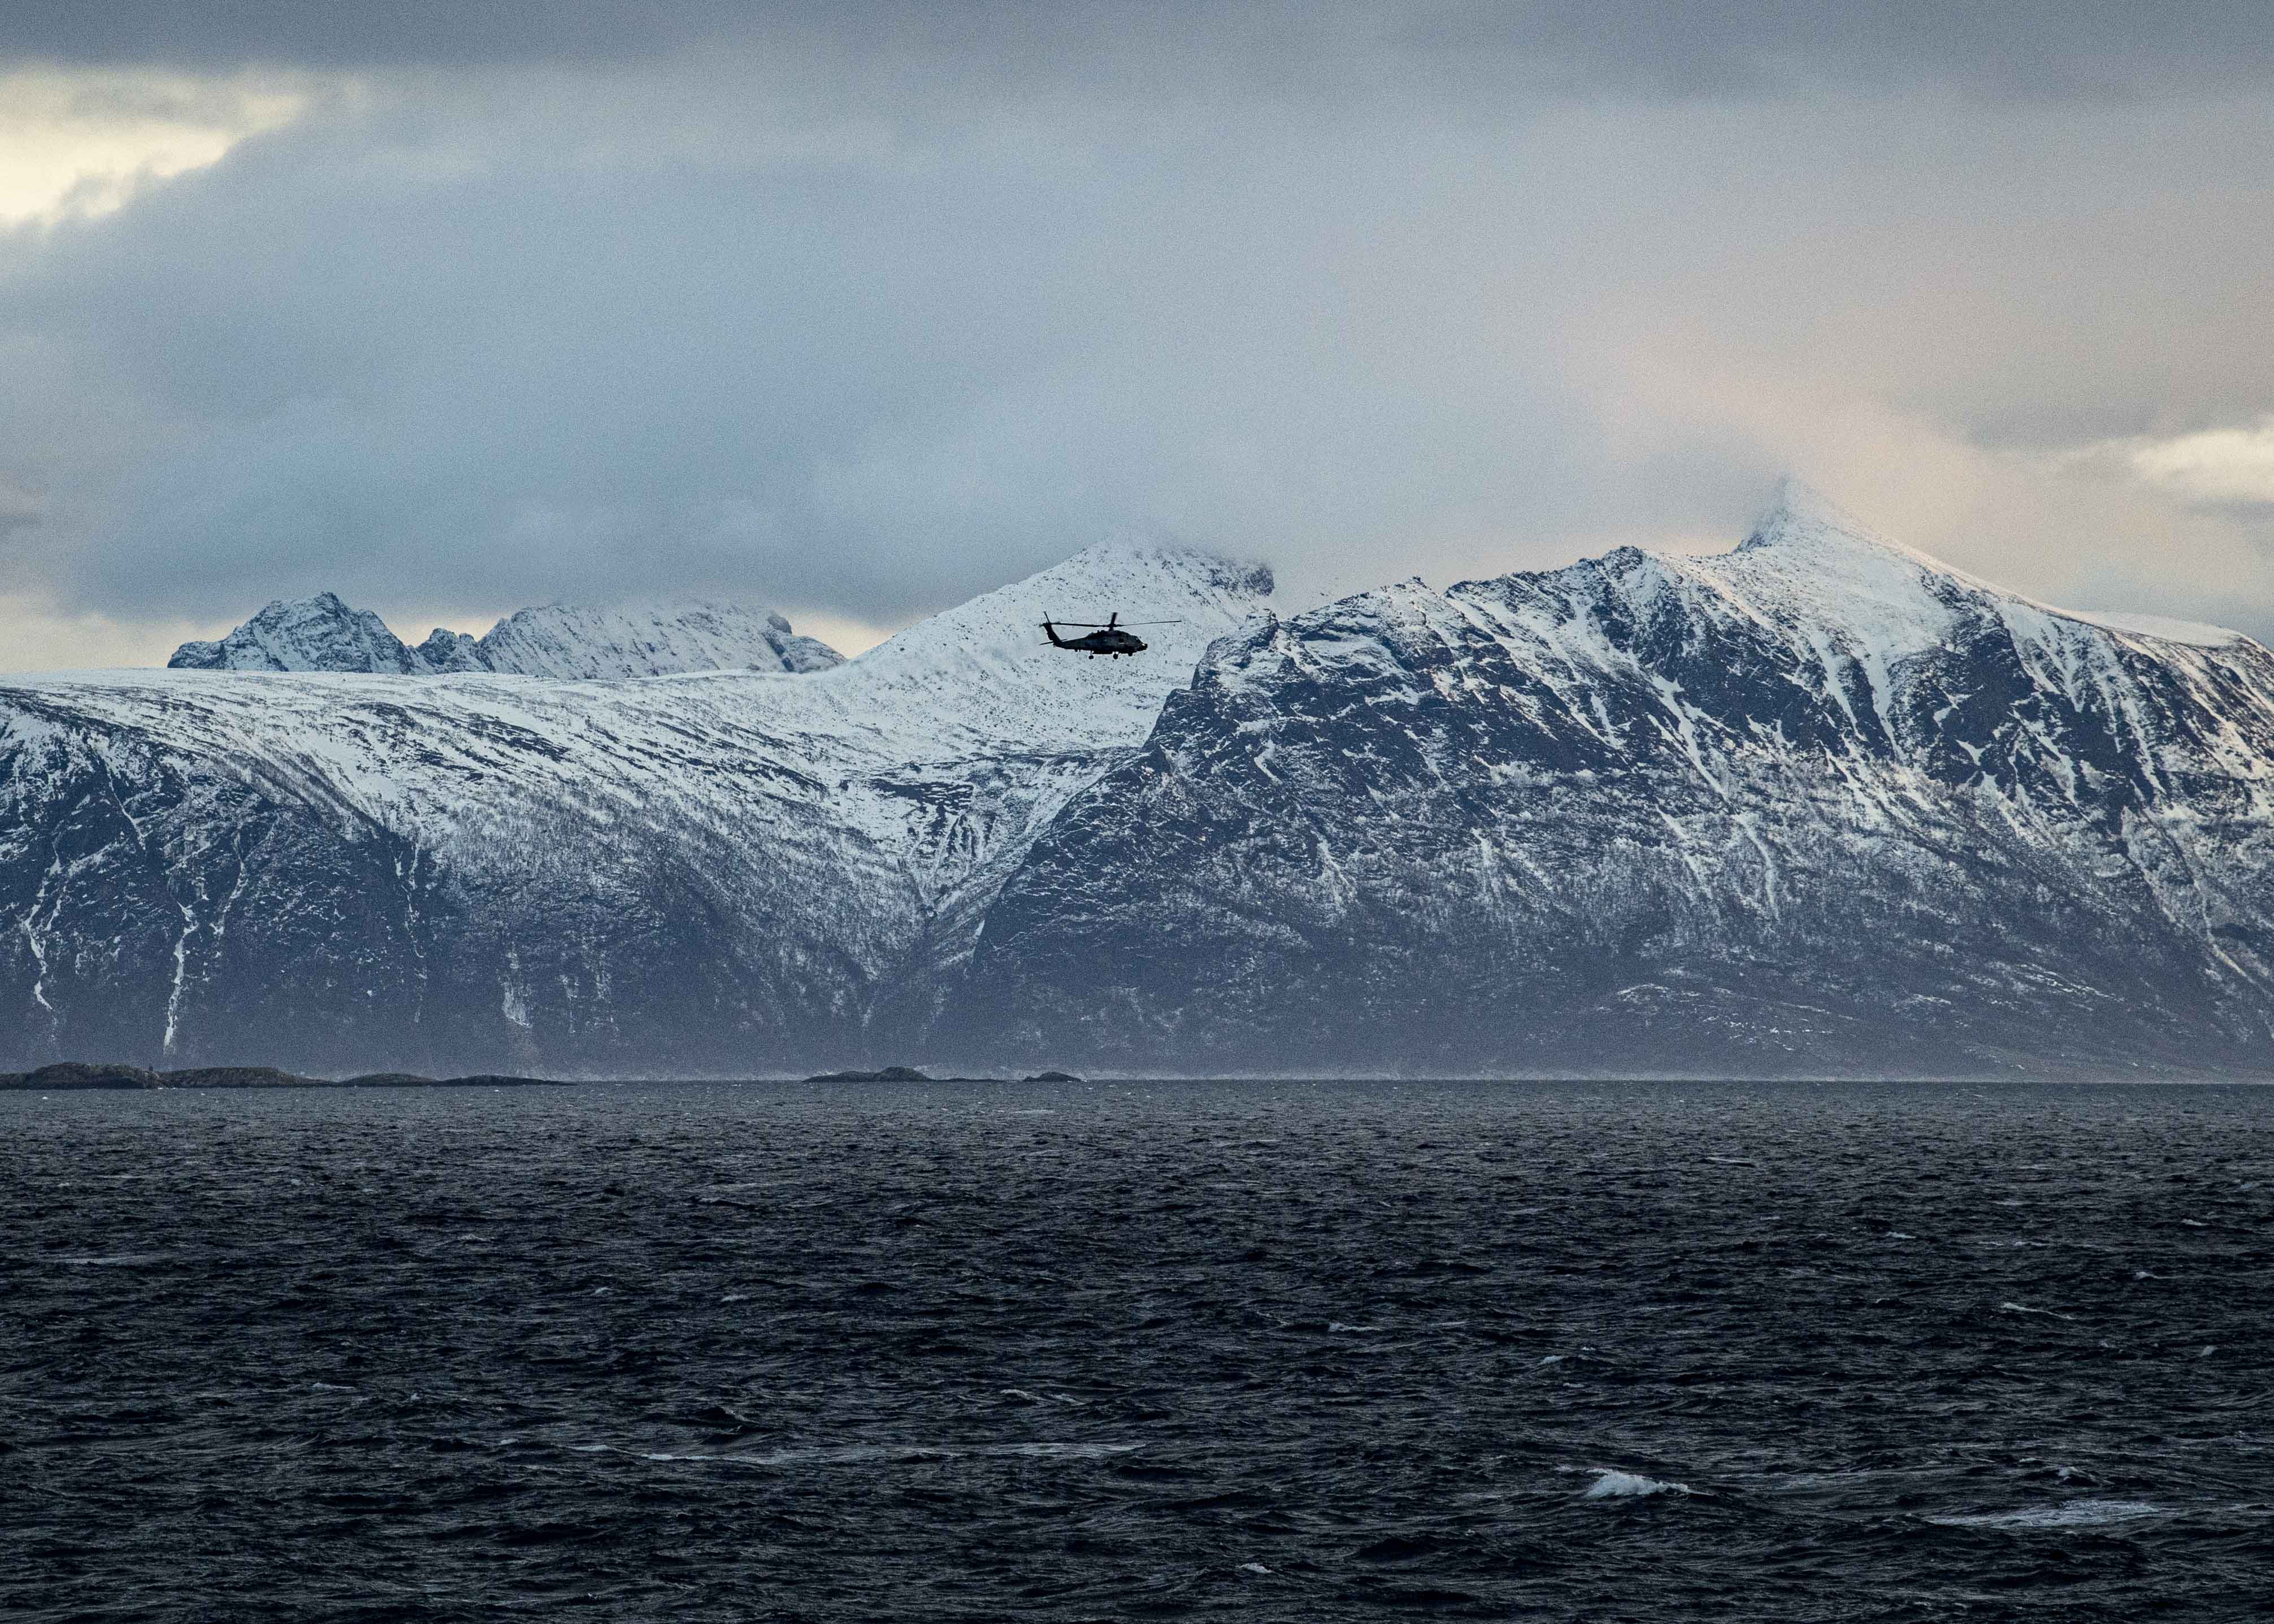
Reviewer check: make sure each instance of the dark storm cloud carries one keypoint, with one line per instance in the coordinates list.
(350, 34)
(1681, 47)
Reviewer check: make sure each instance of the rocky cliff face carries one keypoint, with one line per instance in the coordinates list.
(1819, 804)
(718, 872)
(558, 640)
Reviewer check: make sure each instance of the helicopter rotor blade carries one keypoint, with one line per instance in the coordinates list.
(1116, 623)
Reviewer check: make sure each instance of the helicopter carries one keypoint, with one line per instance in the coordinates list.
(1113, 638)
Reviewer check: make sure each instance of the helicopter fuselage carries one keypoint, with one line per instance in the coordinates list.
(1107, 639)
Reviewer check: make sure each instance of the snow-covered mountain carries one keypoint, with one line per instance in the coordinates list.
(1818, 805)
(723, 871)
(558, 640)
(567, 640)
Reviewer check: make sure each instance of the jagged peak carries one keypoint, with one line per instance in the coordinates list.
(321, 632)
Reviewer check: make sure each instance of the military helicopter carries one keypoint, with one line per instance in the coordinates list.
(1113, 638)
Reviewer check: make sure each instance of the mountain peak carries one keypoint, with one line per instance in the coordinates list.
(986, 661)
(319, 632)
(1800, 516)
(1809, 543)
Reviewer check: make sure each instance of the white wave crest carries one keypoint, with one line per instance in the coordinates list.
(1619, 1484)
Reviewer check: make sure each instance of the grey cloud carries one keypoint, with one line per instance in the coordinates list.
(19, 509)
(1677, 47)
(365, 352)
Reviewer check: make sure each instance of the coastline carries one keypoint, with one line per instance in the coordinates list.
(76, 1075)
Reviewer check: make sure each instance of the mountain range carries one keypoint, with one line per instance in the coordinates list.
(556, 640)
(1817, 806)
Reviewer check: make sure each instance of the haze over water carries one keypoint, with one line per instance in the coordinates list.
(1271, 1350)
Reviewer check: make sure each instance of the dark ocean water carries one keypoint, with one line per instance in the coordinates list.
(1271, 1351)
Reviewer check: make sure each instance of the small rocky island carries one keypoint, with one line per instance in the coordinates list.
(909, 1074)
(72, 1074)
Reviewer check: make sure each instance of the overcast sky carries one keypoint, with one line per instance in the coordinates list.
(859, 309)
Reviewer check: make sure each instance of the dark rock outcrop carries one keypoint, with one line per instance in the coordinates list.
(82, 1074)
(238, 1077)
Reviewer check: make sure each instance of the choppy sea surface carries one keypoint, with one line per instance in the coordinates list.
(1110, 1351)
